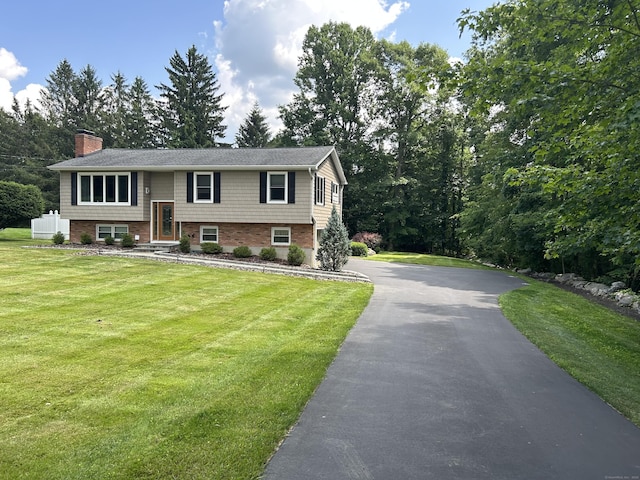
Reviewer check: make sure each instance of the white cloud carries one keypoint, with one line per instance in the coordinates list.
(10, 69)
(6, 95)
(259, 42)
(32, 93)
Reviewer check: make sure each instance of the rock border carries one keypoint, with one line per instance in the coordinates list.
(616, 295)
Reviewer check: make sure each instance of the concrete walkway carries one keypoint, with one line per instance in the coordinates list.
(434, 383)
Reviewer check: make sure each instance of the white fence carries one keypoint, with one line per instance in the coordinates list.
(48, 225)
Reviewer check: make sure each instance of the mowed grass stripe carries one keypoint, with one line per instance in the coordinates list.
(191, 372)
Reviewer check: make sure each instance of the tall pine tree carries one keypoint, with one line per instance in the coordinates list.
(192, 111)
(254, 131)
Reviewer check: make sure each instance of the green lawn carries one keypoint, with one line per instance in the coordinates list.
(597, 346)
(424, 259)
(126, 368)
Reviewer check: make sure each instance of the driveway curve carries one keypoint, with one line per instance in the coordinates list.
(434, 382)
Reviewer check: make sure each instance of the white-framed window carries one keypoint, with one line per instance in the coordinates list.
(208, 233)
(277, 187)
(114, 231)
(319, 189)
(104, 188)
(335, 193)
(281, 236)
(203, 187)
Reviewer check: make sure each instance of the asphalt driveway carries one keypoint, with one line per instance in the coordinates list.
(433, 382)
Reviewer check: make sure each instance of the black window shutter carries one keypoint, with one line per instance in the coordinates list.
(134, 189)
(291, 177)
(74, 188)
(189, 187)
(263, 187)
(216, 187)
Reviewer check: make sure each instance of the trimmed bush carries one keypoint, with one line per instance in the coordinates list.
(371, 240)
(86, 239)
(359, 249)
(109, 240)
(185, 244)
(242, 252)
(126, 241)
(296, 255)
(210, 248)
(268, 253)
(58, 238)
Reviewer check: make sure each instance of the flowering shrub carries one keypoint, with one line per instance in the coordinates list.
(370, 239)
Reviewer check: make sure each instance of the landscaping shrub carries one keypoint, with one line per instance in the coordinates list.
(109, 240)
(86, 239)
(334, 250)
(58, 238)
(296, 255)
(268, 253)
(371, 240)
(242, 252)
(126, 241)
(210, 248)
(185, 244)
(359, 249)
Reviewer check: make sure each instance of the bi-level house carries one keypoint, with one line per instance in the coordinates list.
(254, 197)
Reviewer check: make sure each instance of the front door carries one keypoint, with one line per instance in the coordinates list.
(165, 226)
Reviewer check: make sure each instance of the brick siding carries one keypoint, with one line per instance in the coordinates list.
(78, 227)
(250, 234)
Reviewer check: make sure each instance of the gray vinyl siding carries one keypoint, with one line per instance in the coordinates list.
(102, 212)
(161, 185)
(240, 201)
(321, 213)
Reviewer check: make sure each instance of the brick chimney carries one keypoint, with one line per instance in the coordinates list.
(86, 143)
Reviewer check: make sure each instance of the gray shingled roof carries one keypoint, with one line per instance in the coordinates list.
(180, 159)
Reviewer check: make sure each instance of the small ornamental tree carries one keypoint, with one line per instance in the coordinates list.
(335, 246)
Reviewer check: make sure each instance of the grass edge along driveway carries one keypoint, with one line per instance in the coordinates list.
(598, 347)
(127, 368)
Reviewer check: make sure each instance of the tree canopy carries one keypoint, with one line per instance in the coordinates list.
(254, 131)
(19, 204)
(192, 113)
(554, 87)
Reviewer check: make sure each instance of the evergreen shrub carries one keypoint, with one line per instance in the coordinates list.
(86, 239)
(210, 248)
(359, 249)
(109, 240)
(268, 253)
(185, 244)
(296, 255)
(242, 252)
(58, 238)
(126, 241)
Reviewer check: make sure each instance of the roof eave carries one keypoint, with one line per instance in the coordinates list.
(176, 168)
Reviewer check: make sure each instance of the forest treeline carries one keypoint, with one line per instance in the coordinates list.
(525, 155)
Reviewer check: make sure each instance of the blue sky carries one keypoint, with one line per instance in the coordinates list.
(252, 44)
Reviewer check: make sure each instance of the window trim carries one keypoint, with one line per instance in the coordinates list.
(195, 187)
(319, 190)
(202, 239)
(273, 237)
(335, 193)
(112, 227)
(285, 188)
(92, 176)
